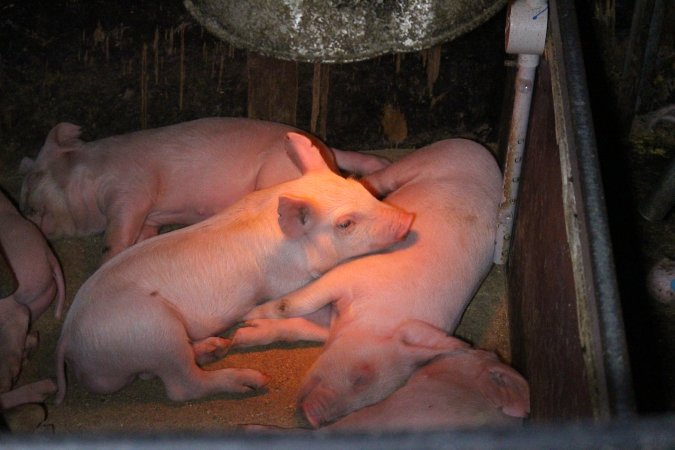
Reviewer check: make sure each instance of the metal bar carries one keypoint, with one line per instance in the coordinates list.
(622, 402)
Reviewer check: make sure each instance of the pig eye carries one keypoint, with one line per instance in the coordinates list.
(362, 376)
(345, 224)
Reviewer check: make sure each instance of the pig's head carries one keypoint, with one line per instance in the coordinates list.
(357, 369)
(489, 386)
(43, 192)
(334, 218)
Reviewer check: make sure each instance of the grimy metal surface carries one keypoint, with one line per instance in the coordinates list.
(331, 31)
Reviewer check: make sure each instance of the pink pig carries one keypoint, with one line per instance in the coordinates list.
(132, 184)
(37, 271)
(453, 187)
(14, 323)
(156, 308)
(15, 342)
(462, 387)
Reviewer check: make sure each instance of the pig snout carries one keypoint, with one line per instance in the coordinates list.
(395, 228)
(661, 281)
(315, 400)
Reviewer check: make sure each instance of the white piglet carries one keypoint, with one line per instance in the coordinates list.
(156, 308)
(392, 310)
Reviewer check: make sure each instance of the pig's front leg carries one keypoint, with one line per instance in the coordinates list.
(211, 349)
(147, 232)
(301, 302)
(387, 180)
(359, 163)
(125, 226)
(267, 331)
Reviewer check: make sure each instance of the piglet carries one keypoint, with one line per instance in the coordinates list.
(464, 387)
(15, 342)
(453, 187)
(14, 323)
(132, 184)
(37, 271)
(461, 388)
(156, 308)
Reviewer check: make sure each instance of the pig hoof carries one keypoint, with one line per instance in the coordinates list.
(32, 342)
(255, 382)
(211, 349)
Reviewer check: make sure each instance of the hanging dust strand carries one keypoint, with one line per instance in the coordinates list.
(144, 87)
(433, 63)
(182, 69)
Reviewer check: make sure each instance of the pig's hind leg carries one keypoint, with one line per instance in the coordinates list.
(184, 379)
(211, 349)
(156, 344)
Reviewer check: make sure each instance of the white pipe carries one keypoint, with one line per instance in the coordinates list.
(525, 36)
(527, 67)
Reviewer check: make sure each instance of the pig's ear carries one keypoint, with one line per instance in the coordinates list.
(295, 215)
(60, 138)
(304, 153)
(506, 389)
(424, 341)
(26, 165)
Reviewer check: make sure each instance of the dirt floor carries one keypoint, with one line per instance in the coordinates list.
(87, 67)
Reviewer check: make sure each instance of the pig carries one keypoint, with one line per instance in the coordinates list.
(14, 323)
(130, 185)
(388, 308)
(463, 387)
(661, 280)
(37, 271)
(157, 308)
(15, 342)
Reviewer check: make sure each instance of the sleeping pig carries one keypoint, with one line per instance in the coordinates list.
(36, 270)
(462, 387)
(132, 184)
(14, 323)
(453, 187)
(156, 308)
